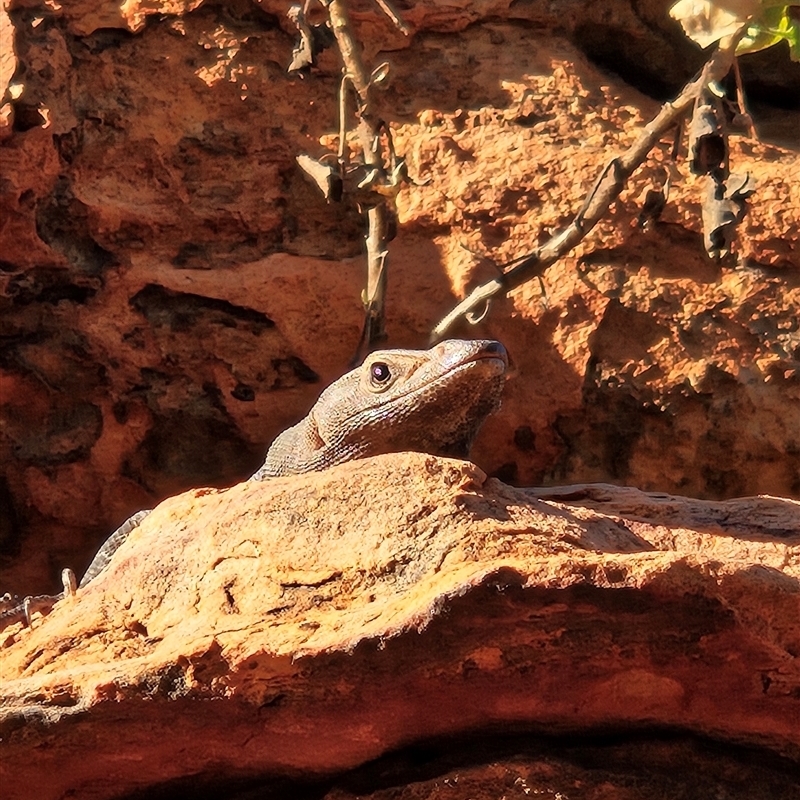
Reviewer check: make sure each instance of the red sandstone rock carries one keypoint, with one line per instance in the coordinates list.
(156, 337)
(317, 622)
(173, 294)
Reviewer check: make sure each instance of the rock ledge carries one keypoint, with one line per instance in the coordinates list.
(310, 624)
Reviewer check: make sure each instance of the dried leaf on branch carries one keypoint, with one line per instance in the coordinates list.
(724, 208)
(312, 40)
(324, 175)
(708, 147)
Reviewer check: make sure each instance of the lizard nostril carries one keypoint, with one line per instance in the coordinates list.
(495, 349)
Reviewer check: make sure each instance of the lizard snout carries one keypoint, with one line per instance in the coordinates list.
(493, 349)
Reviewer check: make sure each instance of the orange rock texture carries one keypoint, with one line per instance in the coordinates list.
(307, 625)
(173, 293)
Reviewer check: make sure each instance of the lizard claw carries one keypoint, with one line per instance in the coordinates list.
(27, 610)
(69, 582)
(23, 611)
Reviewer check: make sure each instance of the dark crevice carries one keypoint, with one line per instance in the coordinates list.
(102, 39)
(662, 60)
(295, 369)
(655, 66)
(181, 311)
(662, 764)
(183, 450)
(238, 12)
(51, 286)
(10, 537)
(26, 117)
(62, 221)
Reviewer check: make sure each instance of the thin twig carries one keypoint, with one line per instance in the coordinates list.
(605, 190)
(369, 127)
(390, 12)
(740, 101)
(343, 120)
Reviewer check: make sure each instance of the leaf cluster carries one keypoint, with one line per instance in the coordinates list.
(759, 23)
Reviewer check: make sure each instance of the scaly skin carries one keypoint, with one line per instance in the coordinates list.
(429, 401)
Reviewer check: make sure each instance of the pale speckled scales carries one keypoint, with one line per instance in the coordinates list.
(430, 401)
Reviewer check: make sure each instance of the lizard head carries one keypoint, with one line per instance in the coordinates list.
(431, 401)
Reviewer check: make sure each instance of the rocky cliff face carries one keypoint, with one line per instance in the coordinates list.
(173, 293)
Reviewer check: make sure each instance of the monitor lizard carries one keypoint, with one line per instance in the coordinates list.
(430, 401)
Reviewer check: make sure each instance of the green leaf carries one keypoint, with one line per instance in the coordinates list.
(767, 23)
(773, 25)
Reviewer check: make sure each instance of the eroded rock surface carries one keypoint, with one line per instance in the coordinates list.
(173, 293)
(305, 626)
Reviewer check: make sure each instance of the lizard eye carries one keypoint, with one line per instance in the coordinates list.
(380, 372)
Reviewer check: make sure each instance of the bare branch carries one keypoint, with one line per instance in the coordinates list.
(606, 189)
(369, 131)
(390, 12)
